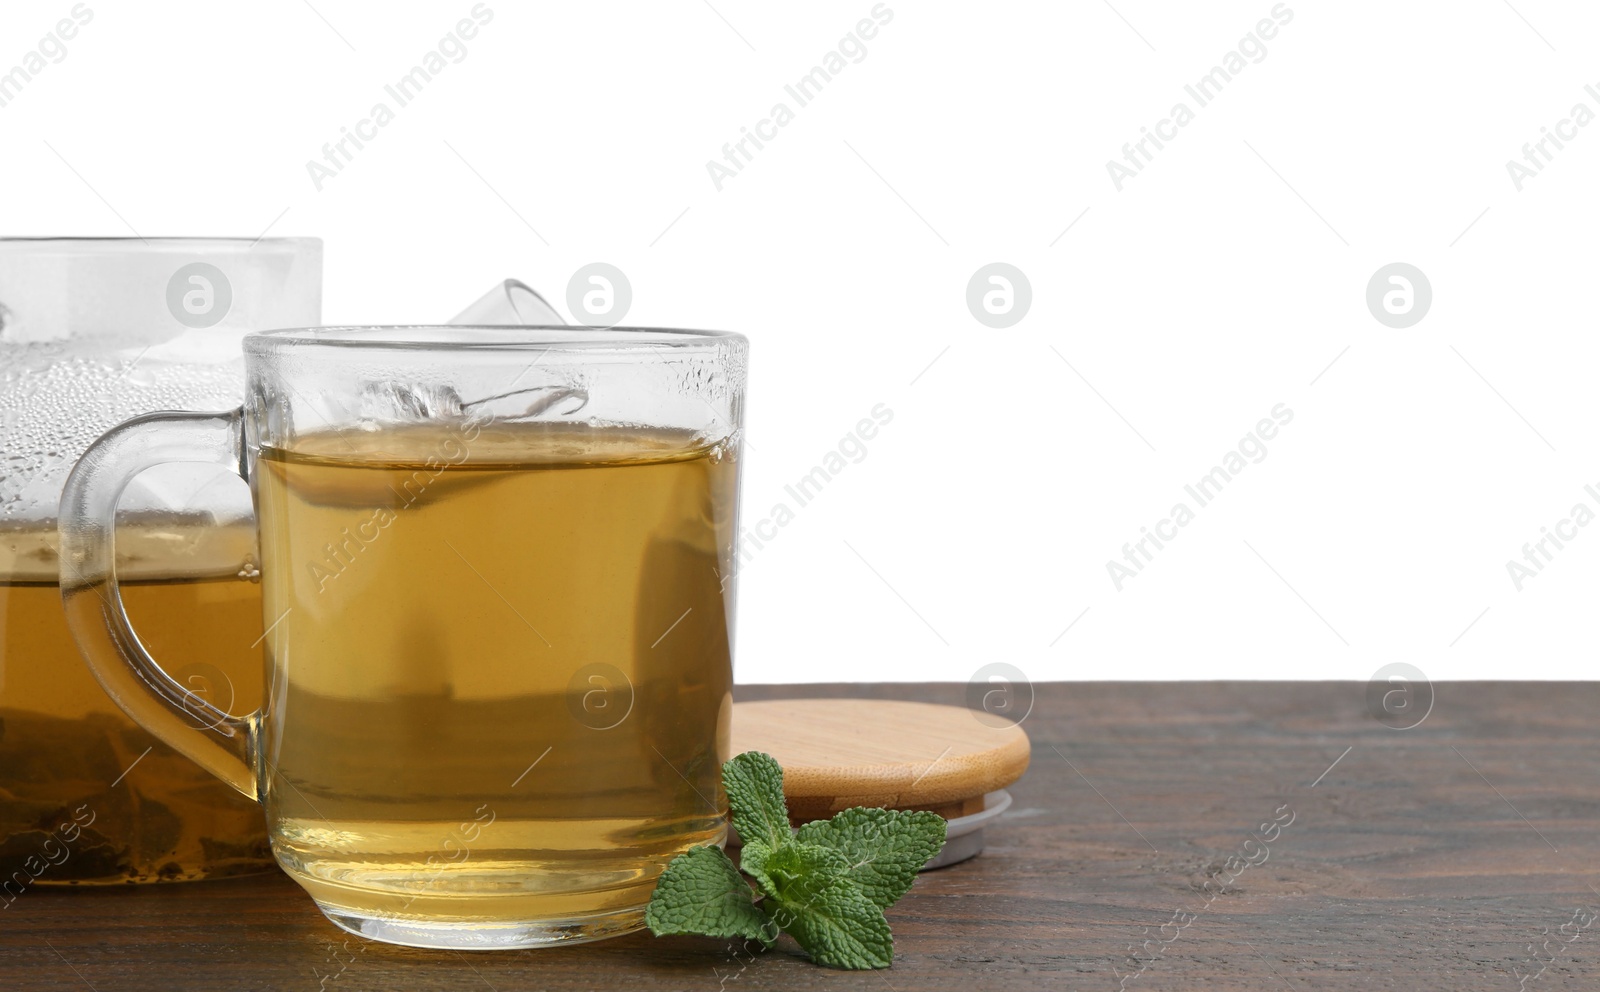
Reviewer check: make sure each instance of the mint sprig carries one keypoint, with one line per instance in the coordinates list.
(827, 886)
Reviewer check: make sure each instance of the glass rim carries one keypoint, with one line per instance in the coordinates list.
(158, 242)
(479, 337)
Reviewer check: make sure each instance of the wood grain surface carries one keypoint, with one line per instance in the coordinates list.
(1167, 836)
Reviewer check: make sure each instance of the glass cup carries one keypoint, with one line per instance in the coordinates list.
(496, 569)
(94, 331)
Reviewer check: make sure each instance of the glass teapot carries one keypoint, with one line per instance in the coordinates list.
(92, 333)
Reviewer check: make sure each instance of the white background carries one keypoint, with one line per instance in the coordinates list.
(1170, 318)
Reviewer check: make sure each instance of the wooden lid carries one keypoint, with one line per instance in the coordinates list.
(838, 753)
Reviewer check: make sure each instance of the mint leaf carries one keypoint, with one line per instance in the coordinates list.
(836, 923)
(776, 869)
(884, 848)
(701, 892)
(753, 858)
(810, 894)
(754, 783)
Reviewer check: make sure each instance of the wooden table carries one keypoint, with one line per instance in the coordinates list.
(1428, 858)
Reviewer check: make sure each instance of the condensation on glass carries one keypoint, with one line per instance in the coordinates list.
(94, 332)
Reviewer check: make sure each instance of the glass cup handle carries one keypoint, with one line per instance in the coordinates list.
(221, 744)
